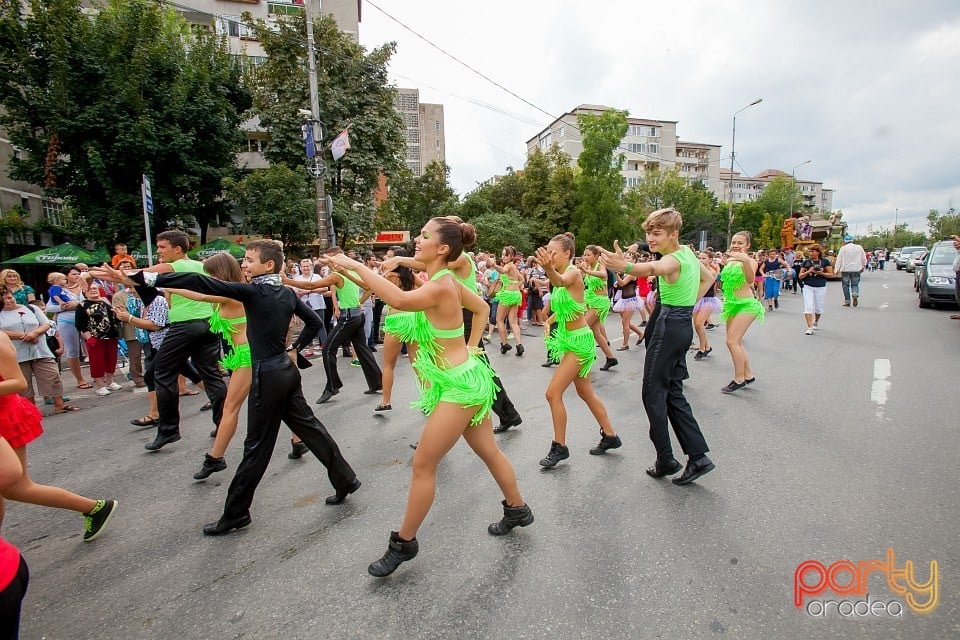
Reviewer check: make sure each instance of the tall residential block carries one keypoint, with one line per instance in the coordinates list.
(813, 197)
(647, 144)
(423, 130)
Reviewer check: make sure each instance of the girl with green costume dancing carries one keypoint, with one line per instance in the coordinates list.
(399, 327)
(572, 345)
(229, 320)
(740, 307)
(510, 299)
(459, 384)
(598, 304)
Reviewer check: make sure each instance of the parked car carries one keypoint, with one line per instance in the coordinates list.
(905, 254)
(938, 285)
(917, 257)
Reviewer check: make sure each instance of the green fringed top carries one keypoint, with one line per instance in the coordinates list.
(564, 306)
(225, 327)
(470, 282)
(732, 278)
(506, 280)
(594, 283)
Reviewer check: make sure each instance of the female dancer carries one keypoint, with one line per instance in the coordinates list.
(229, 320)
(461, 389)
(598, 304)
(771, 285)
(509, 298)
(572, 346)
(705, 307)
(629, 302)
(20, 425)
(740, 307)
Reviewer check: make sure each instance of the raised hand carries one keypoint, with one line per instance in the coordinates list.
(108, 273)
(615, 259)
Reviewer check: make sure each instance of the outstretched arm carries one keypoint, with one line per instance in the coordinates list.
(145, 281)
(331, 280)
(417, 300)
(199, 297)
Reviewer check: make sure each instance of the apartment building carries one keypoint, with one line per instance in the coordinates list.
(813, 197)
(423, 130)
(647, 144)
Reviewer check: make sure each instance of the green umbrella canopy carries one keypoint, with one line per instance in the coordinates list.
(140, 254)
(62, 254)
(219, 245)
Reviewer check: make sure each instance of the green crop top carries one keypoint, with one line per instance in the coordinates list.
(225, 327)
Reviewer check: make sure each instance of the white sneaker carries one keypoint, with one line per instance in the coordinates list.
(809, 331)
(103, 391)
(113, 386)
(816, 325)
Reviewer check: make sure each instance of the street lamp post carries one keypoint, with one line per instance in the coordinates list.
(733, 154)
(793, 184)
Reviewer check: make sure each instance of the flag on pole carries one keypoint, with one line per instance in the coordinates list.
(311, 144)
(340, 144)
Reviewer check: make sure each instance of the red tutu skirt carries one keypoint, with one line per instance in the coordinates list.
(19, 420)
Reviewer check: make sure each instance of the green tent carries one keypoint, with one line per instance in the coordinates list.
(60, 255)
(219, 245)
(140, 254)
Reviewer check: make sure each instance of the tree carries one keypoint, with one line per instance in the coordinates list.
(549, 195)
(496, 230)
(600, 217)
(277, 202)
(748, 216)
(98, 100)
(943, 225)
(769, 232)
(660, 189)
(413, 200)
(780, 195)
(354, 92)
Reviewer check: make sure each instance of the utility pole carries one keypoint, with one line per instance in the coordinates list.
(319, 168)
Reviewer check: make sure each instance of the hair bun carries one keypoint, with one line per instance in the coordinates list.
(570, 235)
(468, 233)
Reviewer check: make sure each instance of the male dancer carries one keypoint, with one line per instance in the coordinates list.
(188, 337)
(682, 280)
(465, 270)
(275, 393)
(348, 330)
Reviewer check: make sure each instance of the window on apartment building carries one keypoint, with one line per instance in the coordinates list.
(256, 145)
(25, 203)
(284, 8)
(653, 148)
(630, 183)
(560, 132)
(53, 211)
(545, 140)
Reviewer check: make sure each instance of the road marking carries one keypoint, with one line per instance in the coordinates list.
(885, 286)
(884, 305)
(881, 384)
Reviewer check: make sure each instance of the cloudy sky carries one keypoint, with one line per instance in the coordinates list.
(867, 90)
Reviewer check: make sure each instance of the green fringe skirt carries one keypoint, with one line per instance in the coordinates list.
(579, 342)
(469, 384)
(509, 298)
(238, 357)
(733, 305)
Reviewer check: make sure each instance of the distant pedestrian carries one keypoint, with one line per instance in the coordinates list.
(851, 261)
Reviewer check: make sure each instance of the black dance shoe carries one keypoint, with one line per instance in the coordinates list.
(507, 424)
(210, 466)
(505, 347)
(611, 362)
(519, 350)
(398, 552)
(342, 494)
(226, 525)
(606, 442)
(733, 386)
(161, 441)
(326, 395)
(664, 468)
(694, 470)
(298, 450)
(512, 517)
(557, 453)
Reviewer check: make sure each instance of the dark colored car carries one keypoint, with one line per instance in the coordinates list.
(938, 284)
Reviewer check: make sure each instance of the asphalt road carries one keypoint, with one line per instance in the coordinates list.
(845, 446)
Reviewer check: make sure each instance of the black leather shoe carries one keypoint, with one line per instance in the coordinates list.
(606, 443)
(694, 470)
(507, 424)
(664, 468)
(557, 453)
(512, 517)
(505, 347)
(548, 364)
(298, 449)
(733, 386)
(224, 525)
(370, 392)
(611, 362)
(398, 552)
(210, 466)
(342, 494)
(326, 395)
(519, 350)
(161, 441)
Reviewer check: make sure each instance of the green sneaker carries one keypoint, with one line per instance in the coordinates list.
(97, 519)
(355, 363)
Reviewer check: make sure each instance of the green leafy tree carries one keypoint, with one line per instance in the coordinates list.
(660, 189)
(507, 193)
(97, 100)
(277, 203)
(415, 199)
(549, 193)
(496, 230)
(779, 195)
(943, 225)
(748, 216)
(354, 91)
(600, 217)
(769, 232)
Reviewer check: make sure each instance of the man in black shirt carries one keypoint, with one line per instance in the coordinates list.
(275, 393)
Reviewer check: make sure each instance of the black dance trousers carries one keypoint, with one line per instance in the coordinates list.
(668, 337)
(185, 340)
(11, 600)
(276, 394)
(350, 330)
(502, 406)
(149, 368)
